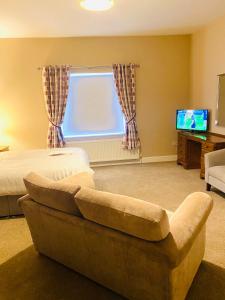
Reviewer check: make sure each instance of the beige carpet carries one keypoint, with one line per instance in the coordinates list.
(26, 275)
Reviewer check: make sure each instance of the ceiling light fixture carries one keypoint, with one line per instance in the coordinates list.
(97, 5)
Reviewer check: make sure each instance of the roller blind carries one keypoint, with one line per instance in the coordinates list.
(93, 107)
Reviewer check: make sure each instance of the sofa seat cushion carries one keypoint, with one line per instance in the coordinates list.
(132, 216)
(57, 194)
(217, 172)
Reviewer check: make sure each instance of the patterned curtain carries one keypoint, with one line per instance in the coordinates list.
(124, 76)
(55, 85)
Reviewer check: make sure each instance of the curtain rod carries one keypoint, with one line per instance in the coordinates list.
(90, 67)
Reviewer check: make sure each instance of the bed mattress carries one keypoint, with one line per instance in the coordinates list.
(55, 164)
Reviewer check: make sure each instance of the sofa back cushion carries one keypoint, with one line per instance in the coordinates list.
(82, 179)
(132, 216)
(54, 194)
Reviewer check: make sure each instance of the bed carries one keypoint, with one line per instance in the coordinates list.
(55, 164)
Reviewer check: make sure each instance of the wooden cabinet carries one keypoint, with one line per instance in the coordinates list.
(192, 147)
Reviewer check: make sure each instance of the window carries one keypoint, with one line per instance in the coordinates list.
(93, 107)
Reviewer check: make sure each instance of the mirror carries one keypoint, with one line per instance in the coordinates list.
(220, 119)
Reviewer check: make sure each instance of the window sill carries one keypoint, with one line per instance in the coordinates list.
(94, 138)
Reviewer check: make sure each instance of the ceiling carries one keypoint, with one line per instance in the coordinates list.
(62, 18)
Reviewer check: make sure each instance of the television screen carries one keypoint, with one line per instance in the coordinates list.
(193, 120)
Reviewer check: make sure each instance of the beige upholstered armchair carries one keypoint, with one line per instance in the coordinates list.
(131, 246)
(215, 170)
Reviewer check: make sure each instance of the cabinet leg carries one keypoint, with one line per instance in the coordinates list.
(208, 187)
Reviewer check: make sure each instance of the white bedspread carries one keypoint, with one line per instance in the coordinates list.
(53, 163)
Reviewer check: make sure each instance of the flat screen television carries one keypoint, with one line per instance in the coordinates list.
(192, 119)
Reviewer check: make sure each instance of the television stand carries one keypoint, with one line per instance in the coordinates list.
(192, 147)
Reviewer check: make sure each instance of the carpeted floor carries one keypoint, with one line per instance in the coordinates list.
(26, 275)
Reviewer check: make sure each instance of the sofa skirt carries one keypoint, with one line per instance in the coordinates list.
(9, 206)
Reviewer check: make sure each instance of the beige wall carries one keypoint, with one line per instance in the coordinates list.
(208, 60)
(162, 83)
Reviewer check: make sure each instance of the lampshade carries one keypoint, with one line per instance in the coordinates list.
(96, 5)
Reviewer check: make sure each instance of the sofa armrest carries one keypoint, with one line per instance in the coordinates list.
(185, 225)
(215, 158)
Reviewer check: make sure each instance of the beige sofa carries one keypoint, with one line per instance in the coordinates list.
(215, 170)
(128, 245)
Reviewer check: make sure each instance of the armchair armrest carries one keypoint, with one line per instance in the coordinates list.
(215, 158)
(185, 225)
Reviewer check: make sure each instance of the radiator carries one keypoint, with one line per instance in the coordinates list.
(100, 151)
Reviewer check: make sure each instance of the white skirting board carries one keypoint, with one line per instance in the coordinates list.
(144, 160)
(164, 158)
